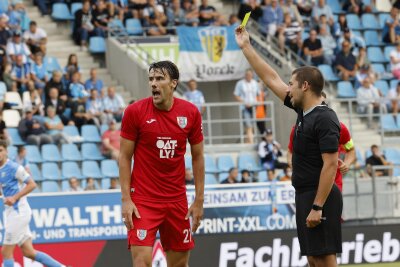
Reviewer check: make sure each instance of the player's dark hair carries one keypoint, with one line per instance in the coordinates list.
(167, 66)
(3, 143)
(312, 76)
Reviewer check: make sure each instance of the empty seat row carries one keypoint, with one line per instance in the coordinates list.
(345, 89)
(53, 186)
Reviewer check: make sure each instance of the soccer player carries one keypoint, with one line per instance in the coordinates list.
(155, 131)
(315, 158)
(16, 183)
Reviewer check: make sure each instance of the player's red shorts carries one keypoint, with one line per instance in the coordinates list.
(169, 219)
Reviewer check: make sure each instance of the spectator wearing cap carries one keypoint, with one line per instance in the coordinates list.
(269, 150)
(232, 176)
(395, 61)
(312, 49)
(32, 130)
(354, 40)
(346, 62)
(114, 104)
(195, 96)
(94, 82)
(394, 99)
(110, 141)
(35, 38)
(16, 47)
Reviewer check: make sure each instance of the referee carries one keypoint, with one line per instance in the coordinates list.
(318, 201)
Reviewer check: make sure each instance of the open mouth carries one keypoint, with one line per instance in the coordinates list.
(156, 93)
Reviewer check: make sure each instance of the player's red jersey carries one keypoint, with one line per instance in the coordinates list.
(345, 144)
(160, 144)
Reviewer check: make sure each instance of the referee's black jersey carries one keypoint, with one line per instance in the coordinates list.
(317, 131)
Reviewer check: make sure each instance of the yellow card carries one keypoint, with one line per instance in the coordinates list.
(246, 18)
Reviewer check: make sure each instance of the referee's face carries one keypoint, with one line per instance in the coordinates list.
(295, 92)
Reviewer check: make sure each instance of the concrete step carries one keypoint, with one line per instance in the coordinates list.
(59, 37)
(57, 43)
(68, 49)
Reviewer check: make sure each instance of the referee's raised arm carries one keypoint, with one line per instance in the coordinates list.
(267, 74)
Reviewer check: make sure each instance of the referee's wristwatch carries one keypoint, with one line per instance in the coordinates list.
(316, 207)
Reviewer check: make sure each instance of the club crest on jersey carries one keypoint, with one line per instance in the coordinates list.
(182, 121)
(141, 234)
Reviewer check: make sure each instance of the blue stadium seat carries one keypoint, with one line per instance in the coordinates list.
(382, 86)
(70, 152)
(369, 22)
(328, 73)
(90, 151)
(360, 158)
(210, 179)
(105, 183)
(50, 171)
(222, 176)
(392, 155)
(75, 7)
(345, 90)
(72, 131)
(109, 168)
(353, 21)
(134, 27)
(64, 185)
(305, 35)
(33, 154)
(393, 83)
(263, 176)
(225, 162)
(97, 45)
(91, 169)
(25, 21)
(71, 169)
(50, 153)
(372, 38)
(375, 55)
(51, 64)
(248, 162)
(335, 6)
(210, 166)
(378, 68)
(36, 174)
(188, 162)
(387, 50)
(16, 139)
(50, 186)
(388, 123)
(61, 12)
(90, 133)
(103, 129)
(382, 18)
(12, 152)
(117, 27)
(4, 6)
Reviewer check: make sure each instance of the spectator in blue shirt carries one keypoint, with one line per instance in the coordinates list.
(54, 126)
(391, 29)
(93, 82)
(21, 73)
(195, 96)
(114, 104)
(95, 106)
(272, 18)
(76, 89)
(322, 9)
(39, 72)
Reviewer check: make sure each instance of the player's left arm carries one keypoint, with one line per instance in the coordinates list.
(23, 176)
(196, 208)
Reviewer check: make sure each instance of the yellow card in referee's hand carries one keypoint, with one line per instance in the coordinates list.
(245, 19)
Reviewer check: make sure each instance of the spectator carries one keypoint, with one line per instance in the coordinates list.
(368, 100)
(269, 151)
(305, 7)
(290, 34)
(233, 20)
(58, 104)
(16, 47)
(21, 74)
(340, 25)
(3, 129)
(114, 183)
(328, 45)
(32, 131)
(355, 41)
(272, 18)
(155, 18)
(346, 62)
(394, 99)
(54, 126)
(16, 14)
(191, 13)
(312, 49)
(323, 22)
(71, 67)
(232, 176)
(391, 29)
(90, 184)
(100, 19)
(207, 14)
(114, 104)
(79, 114)
(395, 61)
(35, 38)
(56, 82)
(271, 175)
(189, 180)
(378, 159)
(74, 185)
(246, 176)
(322, 8)
(356, 6)
(288, 174)
(289, 7)
(363, 72)
(41, 4)
(76, 89)
(175, 14)
(34, 101)
(95, 106)
(195, 96)
(246, 91)
(135, 8)
(93, 81)
(4, 33)
(83, 25)
(21, 159)
(39, 71)
(253, 6)
(110, 141)
(362, 58)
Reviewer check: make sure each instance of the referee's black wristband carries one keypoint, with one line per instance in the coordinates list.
(316, 207)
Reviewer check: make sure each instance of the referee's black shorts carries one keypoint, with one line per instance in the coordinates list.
(326, 238)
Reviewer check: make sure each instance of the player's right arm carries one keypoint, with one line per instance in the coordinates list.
(266, 73)
(125, 161)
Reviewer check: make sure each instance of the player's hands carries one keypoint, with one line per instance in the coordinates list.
(9, 201)
(196, 211)
(242, 37)
(343, 166)
(128, 209)
(314, 218)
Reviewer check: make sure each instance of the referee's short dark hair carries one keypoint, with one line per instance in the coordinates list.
(312, 76)
(3, 143)
(167, 66)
